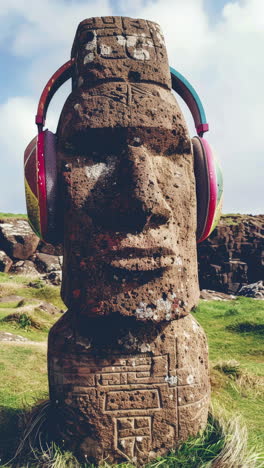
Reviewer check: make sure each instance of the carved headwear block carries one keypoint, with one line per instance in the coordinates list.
(115, 48)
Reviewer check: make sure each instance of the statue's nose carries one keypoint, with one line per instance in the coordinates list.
(132, 199)
(136, 201)
(139, 185)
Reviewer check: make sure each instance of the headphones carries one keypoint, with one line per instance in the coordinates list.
(41, 170)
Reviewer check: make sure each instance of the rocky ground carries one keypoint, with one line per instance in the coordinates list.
(21, 252)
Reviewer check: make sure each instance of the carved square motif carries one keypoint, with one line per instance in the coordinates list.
(128, 400)
(133, 435)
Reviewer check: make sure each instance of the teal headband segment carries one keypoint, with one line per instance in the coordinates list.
(190, 96)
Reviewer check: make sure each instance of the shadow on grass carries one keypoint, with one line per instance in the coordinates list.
(246, 327)
(11, 429)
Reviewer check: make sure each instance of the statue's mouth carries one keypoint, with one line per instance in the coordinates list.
(135, 259)
(142, 263)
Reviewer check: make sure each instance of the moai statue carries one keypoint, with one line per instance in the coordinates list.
(128, 364)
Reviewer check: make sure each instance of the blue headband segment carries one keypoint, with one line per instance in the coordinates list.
(189, 95)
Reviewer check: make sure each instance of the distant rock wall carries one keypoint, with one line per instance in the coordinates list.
(232, 257)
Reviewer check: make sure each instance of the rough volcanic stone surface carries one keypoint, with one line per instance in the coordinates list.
(119, 49)
(128, 390)
(130, 204)
(5, 262)
(128, 365)
(17, 238)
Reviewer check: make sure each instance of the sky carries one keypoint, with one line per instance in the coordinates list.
(216, 44)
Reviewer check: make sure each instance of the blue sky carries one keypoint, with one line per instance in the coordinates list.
(216, 44)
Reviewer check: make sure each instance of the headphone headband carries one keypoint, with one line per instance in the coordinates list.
(54, 83)
(179, 84)
(191, 98)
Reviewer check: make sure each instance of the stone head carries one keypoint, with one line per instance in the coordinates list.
(127, 179)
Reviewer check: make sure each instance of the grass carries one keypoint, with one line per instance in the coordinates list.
(13, 215)
(26, 318)
(19, 285)
(234, 219)
(236, 355)
(237, 377)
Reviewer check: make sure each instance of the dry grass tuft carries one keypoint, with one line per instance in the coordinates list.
(246, 384)
(230, 367)
(250, 386)
(234, 453)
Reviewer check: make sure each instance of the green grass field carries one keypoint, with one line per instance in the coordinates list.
(235, 334)
(12, 215)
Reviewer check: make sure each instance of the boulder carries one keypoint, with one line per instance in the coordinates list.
(208, 295)
(47, 263)
(50, 249)
(6, 336)
(50, 308)
(25, 267)
(255, 290)
(5, 262)
(17, 238)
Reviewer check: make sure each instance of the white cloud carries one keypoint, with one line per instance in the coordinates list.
(222, 60)
(44, 25)
(17, 130)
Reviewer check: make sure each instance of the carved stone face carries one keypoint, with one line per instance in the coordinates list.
(129, 203)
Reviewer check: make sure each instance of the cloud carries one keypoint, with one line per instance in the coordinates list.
(43, 25)
(17, 130)
(222, 62)
(221, 59)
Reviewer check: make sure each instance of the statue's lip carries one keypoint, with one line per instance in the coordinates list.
(135, 259)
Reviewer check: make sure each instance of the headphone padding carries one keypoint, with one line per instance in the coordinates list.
(209, 188)
(31, 185)
(51, 183)
(202, 186)
(41, 185)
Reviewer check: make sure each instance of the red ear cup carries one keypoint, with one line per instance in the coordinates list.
(209, 188)
(41, 186)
